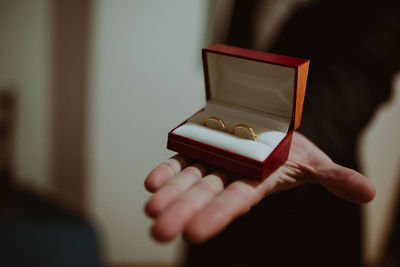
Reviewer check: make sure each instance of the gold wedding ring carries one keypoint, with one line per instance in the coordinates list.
(247, 129)
(215, 123)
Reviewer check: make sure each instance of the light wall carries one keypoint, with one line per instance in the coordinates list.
(380, 160)
(25, 69)
(146, 77)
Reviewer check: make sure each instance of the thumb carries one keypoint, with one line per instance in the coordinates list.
(348, 184)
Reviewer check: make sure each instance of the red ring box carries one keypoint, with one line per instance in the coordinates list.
(262, 90)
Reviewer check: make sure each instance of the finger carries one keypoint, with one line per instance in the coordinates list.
(173, 188)
(348, 184)
(165, 171)
(234, 201)
(173, 220)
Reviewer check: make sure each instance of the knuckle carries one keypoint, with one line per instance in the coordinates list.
(192, 170)
(241, 190)
(168, 165)
(205, 186)
(248, 195)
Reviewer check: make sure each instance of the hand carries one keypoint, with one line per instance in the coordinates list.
(198, 204)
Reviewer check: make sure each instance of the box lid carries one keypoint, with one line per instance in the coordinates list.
(263, 81)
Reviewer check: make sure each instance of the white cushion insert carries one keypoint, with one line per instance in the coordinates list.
(245, 147)
(268, 137)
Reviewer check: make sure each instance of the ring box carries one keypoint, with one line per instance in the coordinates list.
(262, 90)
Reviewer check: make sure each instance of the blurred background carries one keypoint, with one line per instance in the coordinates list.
(89, 90)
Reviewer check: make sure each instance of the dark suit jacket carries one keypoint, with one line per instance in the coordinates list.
(354, 47)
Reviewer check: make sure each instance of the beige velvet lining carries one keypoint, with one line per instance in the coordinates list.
(255, 85)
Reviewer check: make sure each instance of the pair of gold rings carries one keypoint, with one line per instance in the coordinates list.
(241, 130)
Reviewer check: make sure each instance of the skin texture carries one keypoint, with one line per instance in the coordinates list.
(192, 200)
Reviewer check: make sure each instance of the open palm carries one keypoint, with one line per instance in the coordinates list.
(200, 203)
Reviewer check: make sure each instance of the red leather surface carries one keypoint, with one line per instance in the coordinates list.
(232, 162)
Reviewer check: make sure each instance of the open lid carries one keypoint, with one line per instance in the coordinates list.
(256, 80)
